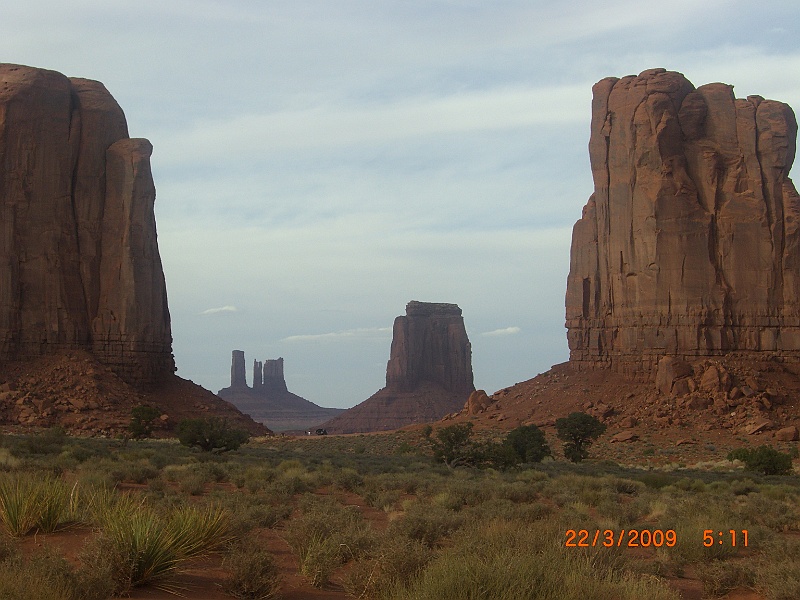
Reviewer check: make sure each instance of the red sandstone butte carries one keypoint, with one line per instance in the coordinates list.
(689, 245)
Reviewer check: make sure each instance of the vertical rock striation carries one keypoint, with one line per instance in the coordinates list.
(79, 261)
(689, 245)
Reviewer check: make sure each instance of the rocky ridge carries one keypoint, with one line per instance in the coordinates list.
(75, 391)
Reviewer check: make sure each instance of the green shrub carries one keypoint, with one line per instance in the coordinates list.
(453, 445)
(325, 536)
(395, 561)
(526, 444)
(253, 574)
(49, 441)
(210, 435)
(142, 419)
(503, 560)
(764, 459)
(429, 524)
(578, 431)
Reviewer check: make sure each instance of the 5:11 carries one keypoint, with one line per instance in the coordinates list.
(711, 537)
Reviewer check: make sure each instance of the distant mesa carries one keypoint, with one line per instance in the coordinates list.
(690, 244)
(269, 401)
(429, 373)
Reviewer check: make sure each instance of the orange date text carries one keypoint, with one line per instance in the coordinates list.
(629, 538)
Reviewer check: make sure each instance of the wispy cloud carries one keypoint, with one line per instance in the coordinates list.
(503, 331)
(361, 332)
(219, 309)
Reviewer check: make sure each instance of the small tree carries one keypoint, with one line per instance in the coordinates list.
(525, 444)
(142, 418)
(210, 435)
(452, 444)
(764, 459)
(578, 431)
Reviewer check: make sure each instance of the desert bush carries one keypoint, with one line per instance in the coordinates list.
(49, 441)
(777, 515)
(764, 459)
(44, 577)
(453, 445)
(319, 557)
(427, 524)
(394, 562)
(778, 570)
(501, 560)
(210, 435)
(142, 420)
(525, 444)
(689, 517)
(326, 535)
(720, 577)
(253, 573)
(578, 431)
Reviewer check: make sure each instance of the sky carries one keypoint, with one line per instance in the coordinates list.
(321, 163)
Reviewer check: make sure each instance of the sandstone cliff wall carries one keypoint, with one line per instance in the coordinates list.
(689, 244)
(79, 261)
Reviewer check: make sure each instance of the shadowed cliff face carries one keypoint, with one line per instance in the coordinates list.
(689, 244)
(430, 344)
(79, 261)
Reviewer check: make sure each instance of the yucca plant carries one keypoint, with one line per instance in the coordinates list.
(30, 501)
(146, 547)
(197, 531)
(19, 504)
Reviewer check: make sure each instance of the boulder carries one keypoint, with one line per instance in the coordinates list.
(787, 434)
(669, 370)
(625, 436)
(477, 402)
(759, 427)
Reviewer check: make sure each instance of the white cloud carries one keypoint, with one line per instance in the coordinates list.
(360, 333)
(502, 332)
(219, 309)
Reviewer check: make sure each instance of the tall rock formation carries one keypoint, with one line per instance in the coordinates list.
(430, 344)
(690, 244)
(79, 261)
(273, 380)
(269, 401)
(429, 373)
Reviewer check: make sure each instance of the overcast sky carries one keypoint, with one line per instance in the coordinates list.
(318, 164)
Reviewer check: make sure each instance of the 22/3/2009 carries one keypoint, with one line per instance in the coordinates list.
(633, 538)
